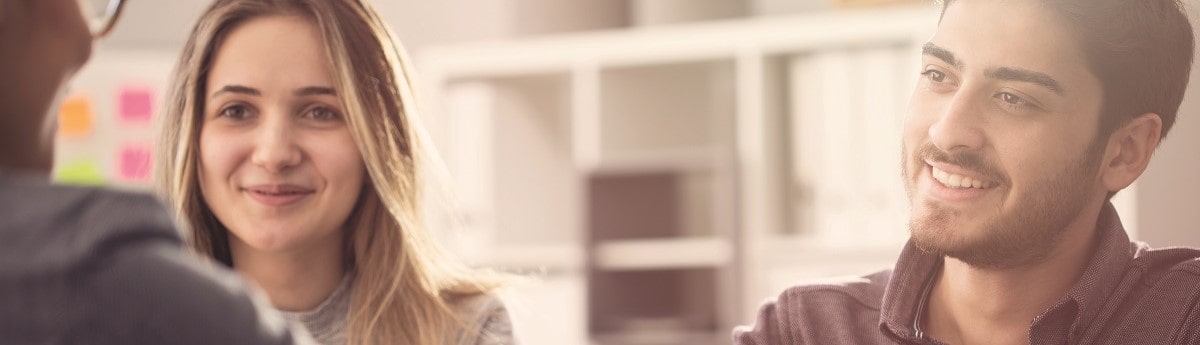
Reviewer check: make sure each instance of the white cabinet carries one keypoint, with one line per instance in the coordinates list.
(681, 172)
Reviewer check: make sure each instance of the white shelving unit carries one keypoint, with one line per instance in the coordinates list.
(682, 172)
(699, 252)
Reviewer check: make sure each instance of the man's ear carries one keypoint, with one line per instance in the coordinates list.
(1129, 150)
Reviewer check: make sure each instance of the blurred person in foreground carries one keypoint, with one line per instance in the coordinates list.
(1028, 116)
(86, 265)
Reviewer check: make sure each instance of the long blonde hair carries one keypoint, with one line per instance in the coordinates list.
(404, 286)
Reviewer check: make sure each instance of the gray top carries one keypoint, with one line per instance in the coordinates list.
(94, 266)
(327, 322)
(487, 314)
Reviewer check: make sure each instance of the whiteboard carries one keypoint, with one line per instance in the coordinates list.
(106, 124)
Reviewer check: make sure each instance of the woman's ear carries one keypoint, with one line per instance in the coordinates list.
(1129, 150)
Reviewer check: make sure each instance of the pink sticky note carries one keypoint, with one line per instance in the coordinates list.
(134, 162)
(135, 104)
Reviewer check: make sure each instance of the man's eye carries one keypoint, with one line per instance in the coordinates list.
(1013, 102)
(934, 75)
(1011, 99)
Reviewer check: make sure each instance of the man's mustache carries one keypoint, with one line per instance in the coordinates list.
(970, 161)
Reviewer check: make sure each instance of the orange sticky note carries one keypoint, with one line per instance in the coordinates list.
(75, 117)
(134, 162)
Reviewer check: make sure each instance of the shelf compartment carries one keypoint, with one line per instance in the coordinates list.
(651, 206)
(686, 105)
(655, 254)
(510, 156)
(662, 337)
(640, 302)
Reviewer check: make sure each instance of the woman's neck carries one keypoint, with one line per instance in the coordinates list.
(296, 280)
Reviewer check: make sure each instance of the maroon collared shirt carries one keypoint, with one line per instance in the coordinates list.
(1128, 294)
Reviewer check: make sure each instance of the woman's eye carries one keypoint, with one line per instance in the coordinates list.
(235, 112)
(322, 114)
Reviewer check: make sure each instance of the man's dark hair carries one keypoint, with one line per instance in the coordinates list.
(1141, 50)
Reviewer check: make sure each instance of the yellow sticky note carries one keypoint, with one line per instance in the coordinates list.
(75, 117)
(81, 172)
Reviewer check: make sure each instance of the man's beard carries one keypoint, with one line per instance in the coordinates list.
(1026, 234)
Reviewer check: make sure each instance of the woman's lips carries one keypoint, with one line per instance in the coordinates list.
(277, 195)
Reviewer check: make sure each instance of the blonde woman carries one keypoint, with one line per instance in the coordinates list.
(290, 148)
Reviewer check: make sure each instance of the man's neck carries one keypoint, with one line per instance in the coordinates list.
(24, 153)
(297, 280)
(972, 305)
(27, 119)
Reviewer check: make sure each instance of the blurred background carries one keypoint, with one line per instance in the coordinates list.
(661, 166)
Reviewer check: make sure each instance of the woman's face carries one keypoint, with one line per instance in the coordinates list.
(278, 165)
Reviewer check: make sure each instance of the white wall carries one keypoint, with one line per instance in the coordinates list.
(154, 25)
(1169, 190)
(165, 24)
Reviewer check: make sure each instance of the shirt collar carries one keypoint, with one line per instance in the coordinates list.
(1102, 275)
(906, 291)
(915, 270)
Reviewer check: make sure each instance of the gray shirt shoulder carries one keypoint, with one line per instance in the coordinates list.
(836, 311)
(94, 266)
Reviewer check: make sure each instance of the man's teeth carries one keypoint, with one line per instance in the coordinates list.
(959, 181)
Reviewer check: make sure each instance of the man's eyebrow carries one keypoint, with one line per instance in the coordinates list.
(245, 90)
(1024, 75)
(941, 53)
(1002, 73)
(315, 90)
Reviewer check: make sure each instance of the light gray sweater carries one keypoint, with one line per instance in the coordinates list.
(327, 322)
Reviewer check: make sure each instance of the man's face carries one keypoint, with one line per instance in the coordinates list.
(998, 144)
